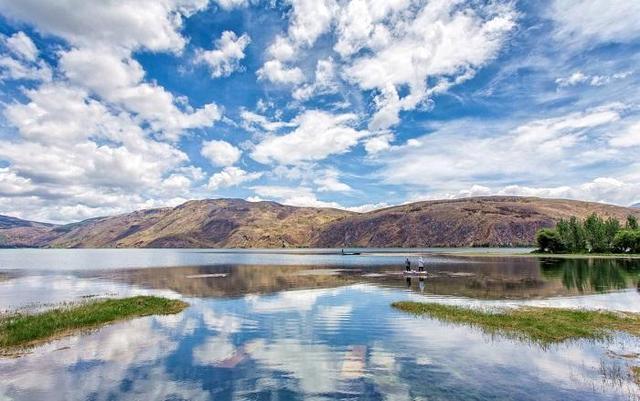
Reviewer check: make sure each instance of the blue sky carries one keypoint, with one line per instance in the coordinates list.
(108, 107)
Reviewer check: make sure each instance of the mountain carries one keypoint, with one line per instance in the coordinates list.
(636, 205)
(235, 223)
(16, 232)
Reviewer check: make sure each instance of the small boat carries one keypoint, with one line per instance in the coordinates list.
(414, 273)
(349, 253)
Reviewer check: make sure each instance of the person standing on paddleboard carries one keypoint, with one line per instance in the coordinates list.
(407, 264)
(420, 264)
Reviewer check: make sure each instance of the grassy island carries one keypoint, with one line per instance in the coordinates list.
(541, 325)
(18, 330)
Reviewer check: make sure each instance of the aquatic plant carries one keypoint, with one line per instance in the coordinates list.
(540, 325)
(26, 329)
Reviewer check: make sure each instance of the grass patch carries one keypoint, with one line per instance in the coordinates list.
(19, 330)
(635, 372)
(540, 325)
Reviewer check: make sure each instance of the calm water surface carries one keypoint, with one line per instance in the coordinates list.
(313, 325)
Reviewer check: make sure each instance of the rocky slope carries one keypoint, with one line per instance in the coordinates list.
(234, 223)
(16, 232)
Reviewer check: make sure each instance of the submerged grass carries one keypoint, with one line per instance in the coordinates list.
(19, 330)
(540, 325)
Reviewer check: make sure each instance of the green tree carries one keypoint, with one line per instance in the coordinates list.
(595, 234)
(632, 222)
(549, 240)
(627, 241)
(611, 228)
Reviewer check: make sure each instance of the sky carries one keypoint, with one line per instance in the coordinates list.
(112, 106)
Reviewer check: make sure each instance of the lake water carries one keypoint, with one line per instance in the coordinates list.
(314, 325)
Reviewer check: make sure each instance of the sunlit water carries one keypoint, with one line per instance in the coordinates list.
(276, 326)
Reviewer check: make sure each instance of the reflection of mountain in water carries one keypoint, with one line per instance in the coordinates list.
(594, 275)
(236, 280)
(483, 278)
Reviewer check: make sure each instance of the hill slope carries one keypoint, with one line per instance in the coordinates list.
(482, 221)
(16, 232)
(235, 223)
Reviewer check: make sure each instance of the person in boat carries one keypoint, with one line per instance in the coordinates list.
(420, 264)
(407, 264)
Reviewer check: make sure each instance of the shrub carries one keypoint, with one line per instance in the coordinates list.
(549, 241)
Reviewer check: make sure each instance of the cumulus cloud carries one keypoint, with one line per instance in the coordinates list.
(226, 57)
(94, 140)
(22, 46)
(220, 153)
(325, 81)
(317, 135)
(329, 181)
(440, 40)
(151, 24)
(231, 176)
(118, 79)
(74, 158)
(276, 71)
(307, 21)
(21, 60)
(230, 4)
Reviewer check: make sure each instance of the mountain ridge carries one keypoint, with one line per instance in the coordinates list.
(237, 223)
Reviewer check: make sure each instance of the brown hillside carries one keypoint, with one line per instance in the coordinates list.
(235, 223)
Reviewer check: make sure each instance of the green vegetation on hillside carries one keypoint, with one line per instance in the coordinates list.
(27, 329)
(592, 235)
(540, 325)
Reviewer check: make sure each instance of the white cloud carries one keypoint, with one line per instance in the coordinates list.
(74, 158)
(226, 57)
(310, 19)
(220, 153)
(318, 135)
(329, 181)
(22, 46)
(14, 69)
(325, 81)
(230, 4)
(252, 121)
(587, 21)
(439, 40)
(275, 71)
(117, 78)
(11, 184)
(151, 24)
(367, 207)
(293, 196)
(593, 80)
(629, 138)
(379, 143)
(602, 189)
(231, 176)
(23, 63)
(307, 21)
(464, 152)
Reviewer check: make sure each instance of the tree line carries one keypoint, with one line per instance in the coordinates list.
(591, 235)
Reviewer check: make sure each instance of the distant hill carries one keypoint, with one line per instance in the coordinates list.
(235, 223)
(16, 232)
(635, 206)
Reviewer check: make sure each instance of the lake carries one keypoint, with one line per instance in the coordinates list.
(315, 325)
